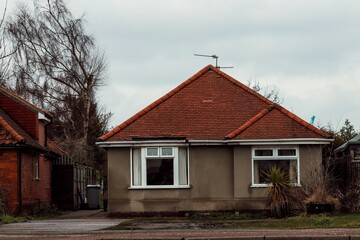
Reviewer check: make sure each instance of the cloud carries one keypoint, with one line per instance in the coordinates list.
(309, 49)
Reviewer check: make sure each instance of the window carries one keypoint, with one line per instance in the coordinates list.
(36, 168)
(159, 167)
(285, 158)
(356, 155)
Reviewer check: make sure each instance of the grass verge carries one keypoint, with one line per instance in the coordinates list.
(4, 219)
(297, 222)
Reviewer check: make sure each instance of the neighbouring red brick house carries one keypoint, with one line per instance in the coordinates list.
(25, 152)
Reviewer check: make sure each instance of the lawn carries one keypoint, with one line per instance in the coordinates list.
(4, 219)
(239, 222)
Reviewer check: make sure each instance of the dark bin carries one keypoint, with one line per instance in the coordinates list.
(93, 196)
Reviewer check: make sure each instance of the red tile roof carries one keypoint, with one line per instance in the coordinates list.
(280, 120)
(7, 134)
(23, 101)
(52, 147)
(211, 105)
(11, 133)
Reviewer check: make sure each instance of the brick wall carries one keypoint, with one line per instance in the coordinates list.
(34, 189)
(8, 175)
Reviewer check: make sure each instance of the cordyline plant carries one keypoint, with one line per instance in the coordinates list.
(281, 195)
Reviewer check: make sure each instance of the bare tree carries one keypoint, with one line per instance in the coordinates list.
(5, 53)
(57, 66)
(271, 93)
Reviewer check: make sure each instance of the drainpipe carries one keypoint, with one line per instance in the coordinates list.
(19, 193)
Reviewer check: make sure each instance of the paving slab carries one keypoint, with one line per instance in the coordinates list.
(77, 222)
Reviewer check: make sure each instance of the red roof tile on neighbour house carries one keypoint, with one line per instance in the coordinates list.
(23, 112)
(52, 147)
(23, 101)
(7, 134)
(11, 133)
(211, 105)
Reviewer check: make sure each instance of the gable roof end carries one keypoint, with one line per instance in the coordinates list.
(267, 110)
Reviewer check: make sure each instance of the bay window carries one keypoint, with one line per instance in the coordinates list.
(264, 158)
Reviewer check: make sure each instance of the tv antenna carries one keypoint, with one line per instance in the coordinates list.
(212, 56)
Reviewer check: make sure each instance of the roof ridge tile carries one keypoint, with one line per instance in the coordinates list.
(241, 85)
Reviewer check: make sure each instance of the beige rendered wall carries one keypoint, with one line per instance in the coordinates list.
(211, 180)
(220, 179)
(310, 157)
(246, 196)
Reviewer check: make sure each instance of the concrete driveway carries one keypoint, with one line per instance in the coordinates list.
(79, 222)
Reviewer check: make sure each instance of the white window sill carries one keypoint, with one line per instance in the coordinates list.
(157, 187)
(267, 185)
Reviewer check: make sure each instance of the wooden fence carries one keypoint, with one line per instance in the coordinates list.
(346, 170)
(69, 183)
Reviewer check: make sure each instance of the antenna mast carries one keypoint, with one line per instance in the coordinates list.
(212, 56)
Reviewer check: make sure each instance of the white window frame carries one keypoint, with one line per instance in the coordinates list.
(274, 157)
(143, 177)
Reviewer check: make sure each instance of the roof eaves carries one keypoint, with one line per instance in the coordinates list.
(249, 123)
(155, 104)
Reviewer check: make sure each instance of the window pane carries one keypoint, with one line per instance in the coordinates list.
(357, 154)
(136, 165)
(152, 152)
(261, 167)
(160, 171)
(183, 179)
(287, 152)
(166, 151)
(263, 152)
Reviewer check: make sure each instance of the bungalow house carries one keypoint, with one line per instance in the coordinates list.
(25, 169)
(204, 146)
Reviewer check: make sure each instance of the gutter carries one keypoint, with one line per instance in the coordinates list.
(142, 143)
(299, 141)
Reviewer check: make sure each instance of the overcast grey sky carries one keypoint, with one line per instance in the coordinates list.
(310, 50)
